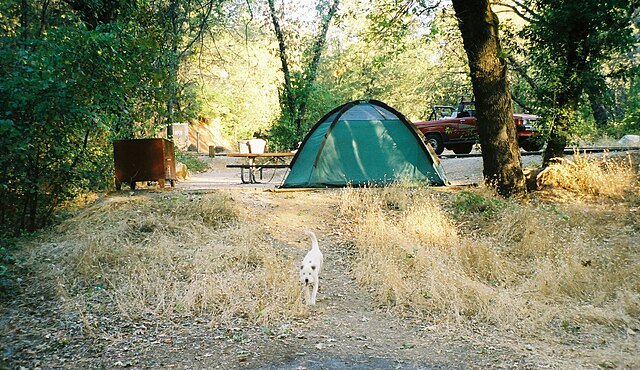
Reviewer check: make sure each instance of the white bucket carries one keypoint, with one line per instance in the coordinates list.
(252, 146)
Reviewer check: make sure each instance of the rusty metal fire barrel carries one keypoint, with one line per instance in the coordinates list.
(144, 160)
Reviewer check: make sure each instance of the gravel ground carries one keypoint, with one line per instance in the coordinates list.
(459, 171)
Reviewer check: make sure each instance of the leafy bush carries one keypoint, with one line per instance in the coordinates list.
(194, 164)
(473, 202)
(63, 98)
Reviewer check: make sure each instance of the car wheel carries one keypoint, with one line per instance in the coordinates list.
(435, 140)
(462, 148)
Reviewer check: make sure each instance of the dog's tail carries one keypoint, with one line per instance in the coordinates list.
(314, 240)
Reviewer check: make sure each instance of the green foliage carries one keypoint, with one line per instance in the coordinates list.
(573, 50)
(283, 135)
(300, 67)
(423, 68)
(571, 40)
(238, 95)
(468, 202)
(630, 122)
(194, 164)
(63, 97)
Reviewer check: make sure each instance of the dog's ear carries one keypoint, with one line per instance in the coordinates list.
(313, 267)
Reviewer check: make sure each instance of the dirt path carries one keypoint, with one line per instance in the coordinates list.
(346, 329)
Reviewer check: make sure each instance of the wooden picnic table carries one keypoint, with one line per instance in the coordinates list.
(274, 160)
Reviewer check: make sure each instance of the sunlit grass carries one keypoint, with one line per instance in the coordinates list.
(526, 264)
(173, 255)
(453, 256)
(609, 176)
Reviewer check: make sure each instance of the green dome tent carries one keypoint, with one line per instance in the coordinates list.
(363, 143)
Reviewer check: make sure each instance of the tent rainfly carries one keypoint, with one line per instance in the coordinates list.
(363, 143)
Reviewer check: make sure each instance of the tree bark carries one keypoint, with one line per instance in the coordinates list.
(500, 152)
(284, 60)
(296, 94)
(312, 74)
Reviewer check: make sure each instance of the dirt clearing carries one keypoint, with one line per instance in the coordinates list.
(190, 279)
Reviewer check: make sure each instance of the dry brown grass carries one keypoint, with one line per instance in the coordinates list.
(411, 255)
(522, 265)
(455, 255)
(608, 176)
(167, 255)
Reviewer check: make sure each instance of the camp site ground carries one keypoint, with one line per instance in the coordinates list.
(459, 171)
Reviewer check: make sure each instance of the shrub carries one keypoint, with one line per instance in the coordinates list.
(194, 164)
(475, 202)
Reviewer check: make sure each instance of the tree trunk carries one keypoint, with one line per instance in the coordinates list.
(173, 93)
(173, 67)
(312, 73)
(296, 94)
(284, 61)
(600, 113)
(557, 138)
(496, 129)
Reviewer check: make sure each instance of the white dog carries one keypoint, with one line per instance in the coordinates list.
(310, 269)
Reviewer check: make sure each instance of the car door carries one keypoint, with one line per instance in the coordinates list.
(465, 128)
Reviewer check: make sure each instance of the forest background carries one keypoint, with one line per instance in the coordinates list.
(78, 74)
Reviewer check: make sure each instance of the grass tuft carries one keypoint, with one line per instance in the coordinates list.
(174, 255)
(608, 176)
(524, 265)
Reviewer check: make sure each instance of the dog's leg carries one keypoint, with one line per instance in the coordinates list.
(314, 293)
(307, 294)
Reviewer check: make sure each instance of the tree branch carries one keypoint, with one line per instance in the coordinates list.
(522, 72)
(519, 9)
(282, 53)
(203, 27)
(317, 48)
(519, 101)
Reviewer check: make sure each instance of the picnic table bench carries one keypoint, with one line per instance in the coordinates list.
(274, 161)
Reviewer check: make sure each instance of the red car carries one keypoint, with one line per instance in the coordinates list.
(455, 129)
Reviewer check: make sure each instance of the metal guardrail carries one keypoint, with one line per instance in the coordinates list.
(598, 149)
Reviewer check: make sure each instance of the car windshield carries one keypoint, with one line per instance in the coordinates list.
(466, 109)
(441, 112)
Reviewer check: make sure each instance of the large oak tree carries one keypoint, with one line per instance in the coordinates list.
(500, 153)
(568, 43)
